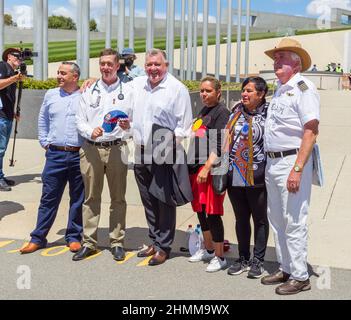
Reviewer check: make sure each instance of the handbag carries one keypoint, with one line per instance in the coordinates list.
(219, 173)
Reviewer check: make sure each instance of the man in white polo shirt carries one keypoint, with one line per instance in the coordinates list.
(290, 134)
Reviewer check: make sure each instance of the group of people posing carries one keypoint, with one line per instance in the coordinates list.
(267, 145)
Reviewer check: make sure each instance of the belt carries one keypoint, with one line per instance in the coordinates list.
(105, 144)
(282, 154)
(65, 148)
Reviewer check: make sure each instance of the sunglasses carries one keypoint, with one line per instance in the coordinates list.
(16, 54)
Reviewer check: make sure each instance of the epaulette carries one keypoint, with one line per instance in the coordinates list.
(302, 85)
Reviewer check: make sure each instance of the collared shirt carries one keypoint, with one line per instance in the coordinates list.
(96, 102)
(167, 105)
(292, 106)
(57, 122)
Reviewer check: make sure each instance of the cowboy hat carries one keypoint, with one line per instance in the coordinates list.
(8, 51)
(289, 44)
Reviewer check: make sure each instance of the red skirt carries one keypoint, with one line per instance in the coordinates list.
(204, 195)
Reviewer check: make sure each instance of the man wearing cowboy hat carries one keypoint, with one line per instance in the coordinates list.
(11, 60)
(290, 133)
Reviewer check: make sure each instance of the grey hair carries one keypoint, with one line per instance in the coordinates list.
(155, 52)
(74, 67)
(296, 58)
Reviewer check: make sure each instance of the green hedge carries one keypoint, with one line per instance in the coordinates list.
(52, 83)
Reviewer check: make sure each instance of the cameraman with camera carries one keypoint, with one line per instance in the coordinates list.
(11, 60)
(128, 70)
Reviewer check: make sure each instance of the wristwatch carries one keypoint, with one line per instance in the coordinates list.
(297, 168)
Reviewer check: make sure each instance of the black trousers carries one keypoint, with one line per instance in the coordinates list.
(160, 217)
(249, 202)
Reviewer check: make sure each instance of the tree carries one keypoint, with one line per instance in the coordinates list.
(8, 19)
(61, 22)
(93, 25)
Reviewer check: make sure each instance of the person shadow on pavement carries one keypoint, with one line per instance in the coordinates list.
(9, 207)
(25, 178)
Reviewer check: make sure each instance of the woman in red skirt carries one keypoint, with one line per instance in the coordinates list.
(206, 146)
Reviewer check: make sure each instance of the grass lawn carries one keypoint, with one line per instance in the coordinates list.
(66, 50)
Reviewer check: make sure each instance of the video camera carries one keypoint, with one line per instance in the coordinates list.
(126, 61)
(26, 54)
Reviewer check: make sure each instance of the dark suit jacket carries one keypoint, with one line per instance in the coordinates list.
(170, 183)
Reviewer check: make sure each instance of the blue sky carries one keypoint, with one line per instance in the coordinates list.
(20, 9)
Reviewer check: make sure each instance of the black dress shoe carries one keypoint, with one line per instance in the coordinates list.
(118, 253)
(83, 253)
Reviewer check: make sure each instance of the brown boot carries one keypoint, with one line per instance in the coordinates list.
(293, 286)
(158, 258)
(275, 278)
(30, 247)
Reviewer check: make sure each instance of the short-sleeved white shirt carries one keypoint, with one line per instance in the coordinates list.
(293, 105)
(167, 105)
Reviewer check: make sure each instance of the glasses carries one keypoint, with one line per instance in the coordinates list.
(16, 54)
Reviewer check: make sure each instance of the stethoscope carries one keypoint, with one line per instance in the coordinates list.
(98, 99)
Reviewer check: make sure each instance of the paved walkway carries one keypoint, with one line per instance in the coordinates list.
(55, 276)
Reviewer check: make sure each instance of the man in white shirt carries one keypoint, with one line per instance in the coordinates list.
(101, 108)
(159, 99)
(290, 134)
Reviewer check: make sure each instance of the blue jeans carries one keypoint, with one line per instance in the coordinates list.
(5, 132)
(60, 167)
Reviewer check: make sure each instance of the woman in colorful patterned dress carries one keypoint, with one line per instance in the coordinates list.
(246, 185)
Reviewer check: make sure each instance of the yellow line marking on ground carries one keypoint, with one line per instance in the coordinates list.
(129, 255)
(94, 255)
(5, 243)
(62, 250)
(18, 250)
(145, 262)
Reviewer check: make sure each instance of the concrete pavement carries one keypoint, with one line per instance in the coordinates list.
(57, 277)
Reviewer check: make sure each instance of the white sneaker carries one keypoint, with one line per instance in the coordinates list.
(201, 255)
(216, 264)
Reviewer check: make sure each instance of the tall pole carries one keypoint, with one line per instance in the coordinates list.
(85, 39)
(45, 40)
(149, 25)
(189, 40)
(121, 14)
(38, 39)
(168, 5)
(238, 43)
(218, 39)
(182, 41)
(108, 26)
(205, 39)
(229, 40)
(247, 38)
(131, 23)
(79, 33)
(2, 26)
(196, 17)
(170, 55)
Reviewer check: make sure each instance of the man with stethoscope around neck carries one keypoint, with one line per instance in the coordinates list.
(101, 154)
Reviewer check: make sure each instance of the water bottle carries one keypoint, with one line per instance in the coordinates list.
(188, 232)
(200, 241)
(194, 241)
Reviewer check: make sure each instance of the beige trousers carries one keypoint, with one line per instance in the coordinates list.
(95, 162)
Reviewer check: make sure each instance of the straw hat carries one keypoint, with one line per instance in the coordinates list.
(289, 44)
(8, 51)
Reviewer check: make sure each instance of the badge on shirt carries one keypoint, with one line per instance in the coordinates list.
(302, 85)
(289, 94)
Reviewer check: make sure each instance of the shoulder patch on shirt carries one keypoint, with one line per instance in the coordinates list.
(302, 85)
